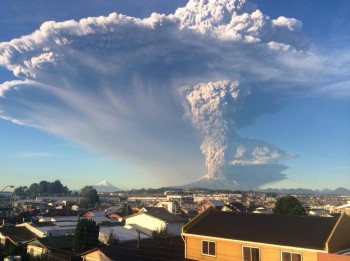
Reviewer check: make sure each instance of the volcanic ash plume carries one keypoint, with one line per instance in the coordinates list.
(211, 107)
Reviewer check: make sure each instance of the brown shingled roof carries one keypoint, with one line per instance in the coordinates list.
(17, 235)
(57, 242)
(295, 231)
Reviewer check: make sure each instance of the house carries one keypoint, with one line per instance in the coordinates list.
(98, 213)
(217, 204)
(120, 233)
(237, 207)
(103, 221)
(47, 228)
(51, 248)
(150, 219)
(116, 216)
(11, 235)
(172, 207)
(6, 212)
(262, 210)
(189, 210)
(246, 236)
(59, 219)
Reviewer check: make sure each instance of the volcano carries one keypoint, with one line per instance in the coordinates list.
(105, 186)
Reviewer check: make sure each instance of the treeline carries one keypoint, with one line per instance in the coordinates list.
(44, 188)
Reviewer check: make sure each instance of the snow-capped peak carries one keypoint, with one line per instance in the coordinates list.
(104, 183)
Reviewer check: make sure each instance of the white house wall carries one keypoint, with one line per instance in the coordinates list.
(146, 221)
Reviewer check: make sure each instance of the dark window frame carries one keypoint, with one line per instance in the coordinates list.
(209, 244)
(291, 255)
(250, 253)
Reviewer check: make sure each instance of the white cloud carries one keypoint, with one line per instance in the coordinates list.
(290, 23)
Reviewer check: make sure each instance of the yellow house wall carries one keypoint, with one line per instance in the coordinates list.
(96, 256)
(232, 250)
(36, 250)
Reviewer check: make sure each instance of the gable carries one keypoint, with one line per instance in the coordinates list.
(294, 231)
(96, 255)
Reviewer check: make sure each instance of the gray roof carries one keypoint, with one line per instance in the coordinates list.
(162, 214)
(216, 203)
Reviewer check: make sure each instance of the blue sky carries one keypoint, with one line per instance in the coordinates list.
(304, 119)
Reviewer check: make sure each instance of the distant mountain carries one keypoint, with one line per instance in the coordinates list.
(230, 184)
(105, 186)
(338, 191)
(342, 191)
(213, 183)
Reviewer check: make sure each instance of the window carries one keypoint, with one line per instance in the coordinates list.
(251, 254)
(289, 256)
(208, 248)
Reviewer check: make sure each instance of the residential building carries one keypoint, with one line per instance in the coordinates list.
(172, 207)
(151, 219)
(217, 204)
(47, 229)
(120, 233)
(51, 248)
(246, 236)
(11, 235)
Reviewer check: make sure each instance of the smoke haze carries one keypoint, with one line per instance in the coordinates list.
(156, 92)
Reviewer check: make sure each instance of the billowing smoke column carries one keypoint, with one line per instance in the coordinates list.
(113, 80)
(211, 107)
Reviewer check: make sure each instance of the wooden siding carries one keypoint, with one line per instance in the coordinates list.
(332, 257)
(340, 238)
(96, 256)
(232, 250)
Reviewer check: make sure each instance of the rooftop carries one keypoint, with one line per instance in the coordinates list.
(296, 231)
(17, 234)
(57, 242)
(162, 214)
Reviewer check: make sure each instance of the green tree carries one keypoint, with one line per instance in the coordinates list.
(44, 188)
(57, 188)
(21, 191)
(90, 195)
(33, 190)
(85, 235)
(289, 205)
(19, 251)
(112, 240)
(161, 233)
(126, 210)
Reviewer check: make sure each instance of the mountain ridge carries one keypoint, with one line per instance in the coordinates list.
(230, 184)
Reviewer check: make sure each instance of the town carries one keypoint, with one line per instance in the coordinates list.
(170, 224)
